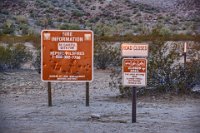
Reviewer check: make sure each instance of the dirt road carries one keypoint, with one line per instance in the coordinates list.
(23, 108)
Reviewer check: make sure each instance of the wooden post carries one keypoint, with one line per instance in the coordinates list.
(185, 56)
(184, 53)
(49, 94)
(87, 94)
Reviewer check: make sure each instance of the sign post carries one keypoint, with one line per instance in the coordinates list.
(134, 103)
(49, 94)
(185, 57)
(67, 56)
(134, 70)
(184, 54)
(87, 94)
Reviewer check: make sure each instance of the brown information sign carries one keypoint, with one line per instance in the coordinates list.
(67, 55)
(134, 71)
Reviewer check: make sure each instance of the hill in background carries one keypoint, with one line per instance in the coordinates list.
(104, 17)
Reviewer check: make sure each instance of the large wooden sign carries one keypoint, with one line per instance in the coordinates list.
(134, 49)
(134, 72)
(67, 55)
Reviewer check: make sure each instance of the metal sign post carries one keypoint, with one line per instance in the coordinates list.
(134, 97)
(134, 75)
(49, 94)
(134, 69)
(87, 94)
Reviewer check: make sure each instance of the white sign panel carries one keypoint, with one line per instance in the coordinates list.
(134, 49)
(134, 72)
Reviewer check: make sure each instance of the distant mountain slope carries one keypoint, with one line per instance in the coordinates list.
(172, 5)
(103, 16)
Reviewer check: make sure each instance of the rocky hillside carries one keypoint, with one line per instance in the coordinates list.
(104, 17)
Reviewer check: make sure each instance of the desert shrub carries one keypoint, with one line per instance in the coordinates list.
(44, 22)
(4, 11)
(21, 19)
(93, 8)
(24, 29)
(8, 27)
(33, 13)
(166, 73)
(160, 65)
(5, 55)
(160, 30)
(94, 20)
(12, 57)
(103, 29)
(106, 55)
(77, 13)
(70, 27)
(186, 77)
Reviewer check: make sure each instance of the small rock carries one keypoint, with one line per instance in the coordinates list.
(97, 116)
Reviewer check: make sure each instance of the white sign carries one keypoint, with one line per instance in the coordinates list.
(71, 46)
(134, 49)
(134, 72)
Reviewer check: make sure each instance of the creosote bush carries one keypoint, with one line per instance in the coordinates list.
(105, 55)
(12, 57)
(166, 72)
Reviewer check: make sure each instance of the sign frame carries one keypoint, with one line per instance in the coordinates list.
(92, 56)
(145, 74)
(132, 52)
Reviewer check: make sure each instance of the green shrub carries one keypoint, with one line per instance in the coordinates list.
(21, 19)
(69, 27)
(8, 27)
(24, 29)
(12, 57)
(106, 55)
(160, 66)
(77, 13)
(166, 73)
(5, 55)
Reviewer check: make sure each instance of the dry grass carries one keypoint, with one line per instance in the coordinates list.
(11, 39)
(141, 38)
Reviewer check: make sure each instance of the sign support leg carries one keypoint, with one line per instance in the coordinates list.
(184, 59)
(134, 104)
(87, 94)
(49, 94)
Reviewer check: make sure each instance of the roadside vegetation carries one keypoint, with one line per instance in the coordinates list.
(13, 56)
(166, 72)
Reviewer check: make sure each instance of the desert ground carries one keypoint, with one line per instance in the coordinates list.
(24, 108)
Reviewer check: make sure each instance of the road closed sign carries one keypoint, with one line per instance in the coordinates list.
(67, 55)
(134, 72)
(134, 49)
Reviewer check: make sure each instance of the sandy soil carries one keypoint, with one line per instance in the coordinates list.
(23, 108)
